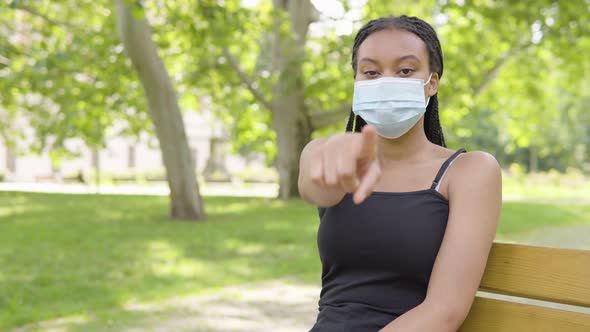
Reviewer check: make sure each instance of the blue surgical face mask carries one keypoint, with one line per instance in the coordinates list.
(392, 104)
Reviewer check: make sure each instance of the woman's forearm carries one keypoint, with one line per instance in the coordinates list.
(425, 318)
(309, 191)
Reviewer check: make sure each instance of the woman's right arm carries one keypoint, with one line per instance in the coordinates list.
(312, 189)
(331, 167)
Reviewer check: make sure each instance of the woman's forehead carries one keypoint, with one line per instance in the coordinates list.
(392, 44)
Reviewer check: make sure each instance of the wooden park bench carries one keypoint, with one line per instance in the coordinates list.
(557, 276)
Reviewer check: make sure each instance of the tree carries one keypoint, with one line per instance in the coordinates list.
(506, 86)
(69, 79)
(165, 113)
(279, 84)
(518, 69)
(509, 76)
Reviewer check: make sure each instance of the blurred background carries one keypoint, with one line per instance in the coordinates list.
(149, 149)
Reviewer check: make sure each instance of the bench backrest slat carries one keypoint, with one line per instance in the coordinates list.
(549, 274)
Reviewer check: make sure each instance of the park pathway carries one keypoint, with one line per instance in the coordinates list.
(161, 189)
(279, 305)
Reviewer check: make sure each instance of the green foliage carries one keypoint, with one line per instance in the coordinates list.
(68, 78)
(513, 85)
(508, 88)
(246, 34)
(192, 49)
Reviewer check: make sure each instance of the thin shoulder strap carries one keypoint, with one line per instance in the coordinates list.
(443, 169)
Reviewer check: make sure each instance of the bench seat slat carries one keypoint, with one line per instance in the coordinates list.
(490, 315)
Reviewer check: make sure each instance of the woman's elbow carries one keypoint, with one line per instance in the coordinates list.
(451, 316)
(455, 318)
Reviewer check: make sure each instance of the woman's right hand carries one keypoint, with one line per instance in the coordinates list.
(339, 164)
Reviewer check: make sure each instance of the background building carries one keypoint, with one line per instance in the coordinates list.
(207, 138)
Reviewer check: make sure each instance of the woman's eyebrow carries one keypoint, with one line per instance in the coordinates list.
(400, 59)
(408, 57)
(369, 60)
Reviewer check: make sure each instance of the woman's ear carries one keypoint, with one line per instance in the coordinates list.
(433, 84)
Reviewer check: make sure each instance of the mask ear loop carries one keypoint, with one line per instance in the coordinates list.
(428, 99)
(429, 77)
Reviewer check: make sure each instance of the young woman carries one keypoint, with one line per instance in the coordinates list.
(406, 224)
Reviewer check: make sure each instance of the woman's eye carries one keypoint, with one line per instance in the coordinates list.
(371, 73)
(406, 71)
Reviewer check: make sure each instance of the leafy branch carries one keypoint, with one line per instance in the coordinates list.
(323, 119)
(247, 80)
(14, 5)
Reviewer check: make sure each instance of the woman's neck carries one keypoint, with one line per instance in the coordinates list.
(412, 146)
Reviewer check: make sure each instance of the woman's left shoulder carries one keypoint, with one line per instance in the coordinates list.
(479, 159)
(475, 165)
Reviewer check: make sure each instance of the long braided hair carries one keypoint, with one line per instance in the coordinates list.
(425, 32)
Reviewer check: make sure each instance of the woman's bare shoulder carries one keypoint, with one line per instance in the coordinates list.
(478, 161)
(475, 168)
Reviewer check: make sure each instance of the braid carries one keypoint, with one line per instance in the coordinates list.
(432, 126)
(355, 123)
(425, 32)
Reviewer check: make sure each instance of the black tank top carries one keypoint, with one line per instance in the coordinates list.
(377, 257)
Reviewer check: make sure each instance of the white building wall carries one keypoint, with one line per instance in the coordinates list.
(2, 158)
(114, 157)
(71, 167)
(148, 159)
(200, 129)
(32, 167)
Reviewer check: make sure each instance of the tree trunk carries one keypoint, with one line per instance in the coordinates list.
(131, 155)
(293, 132)
(290, 121)
(10, 160)
(215, 169)
(96, 165)
(165, 113)
(533, 159)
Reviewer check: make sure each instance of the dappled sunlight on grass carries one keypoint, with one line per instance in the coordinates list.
(231, 208)
(518, 217)
(546, 224)
(68, 255)
(95, 253)
(549, 185)
(12, 210)
(243, 247)
(63, 324)
(20, 205)
(168, 260)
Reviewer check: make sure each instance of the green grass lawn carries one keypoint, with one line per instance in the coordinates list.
(68, 255)
(549, 185)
